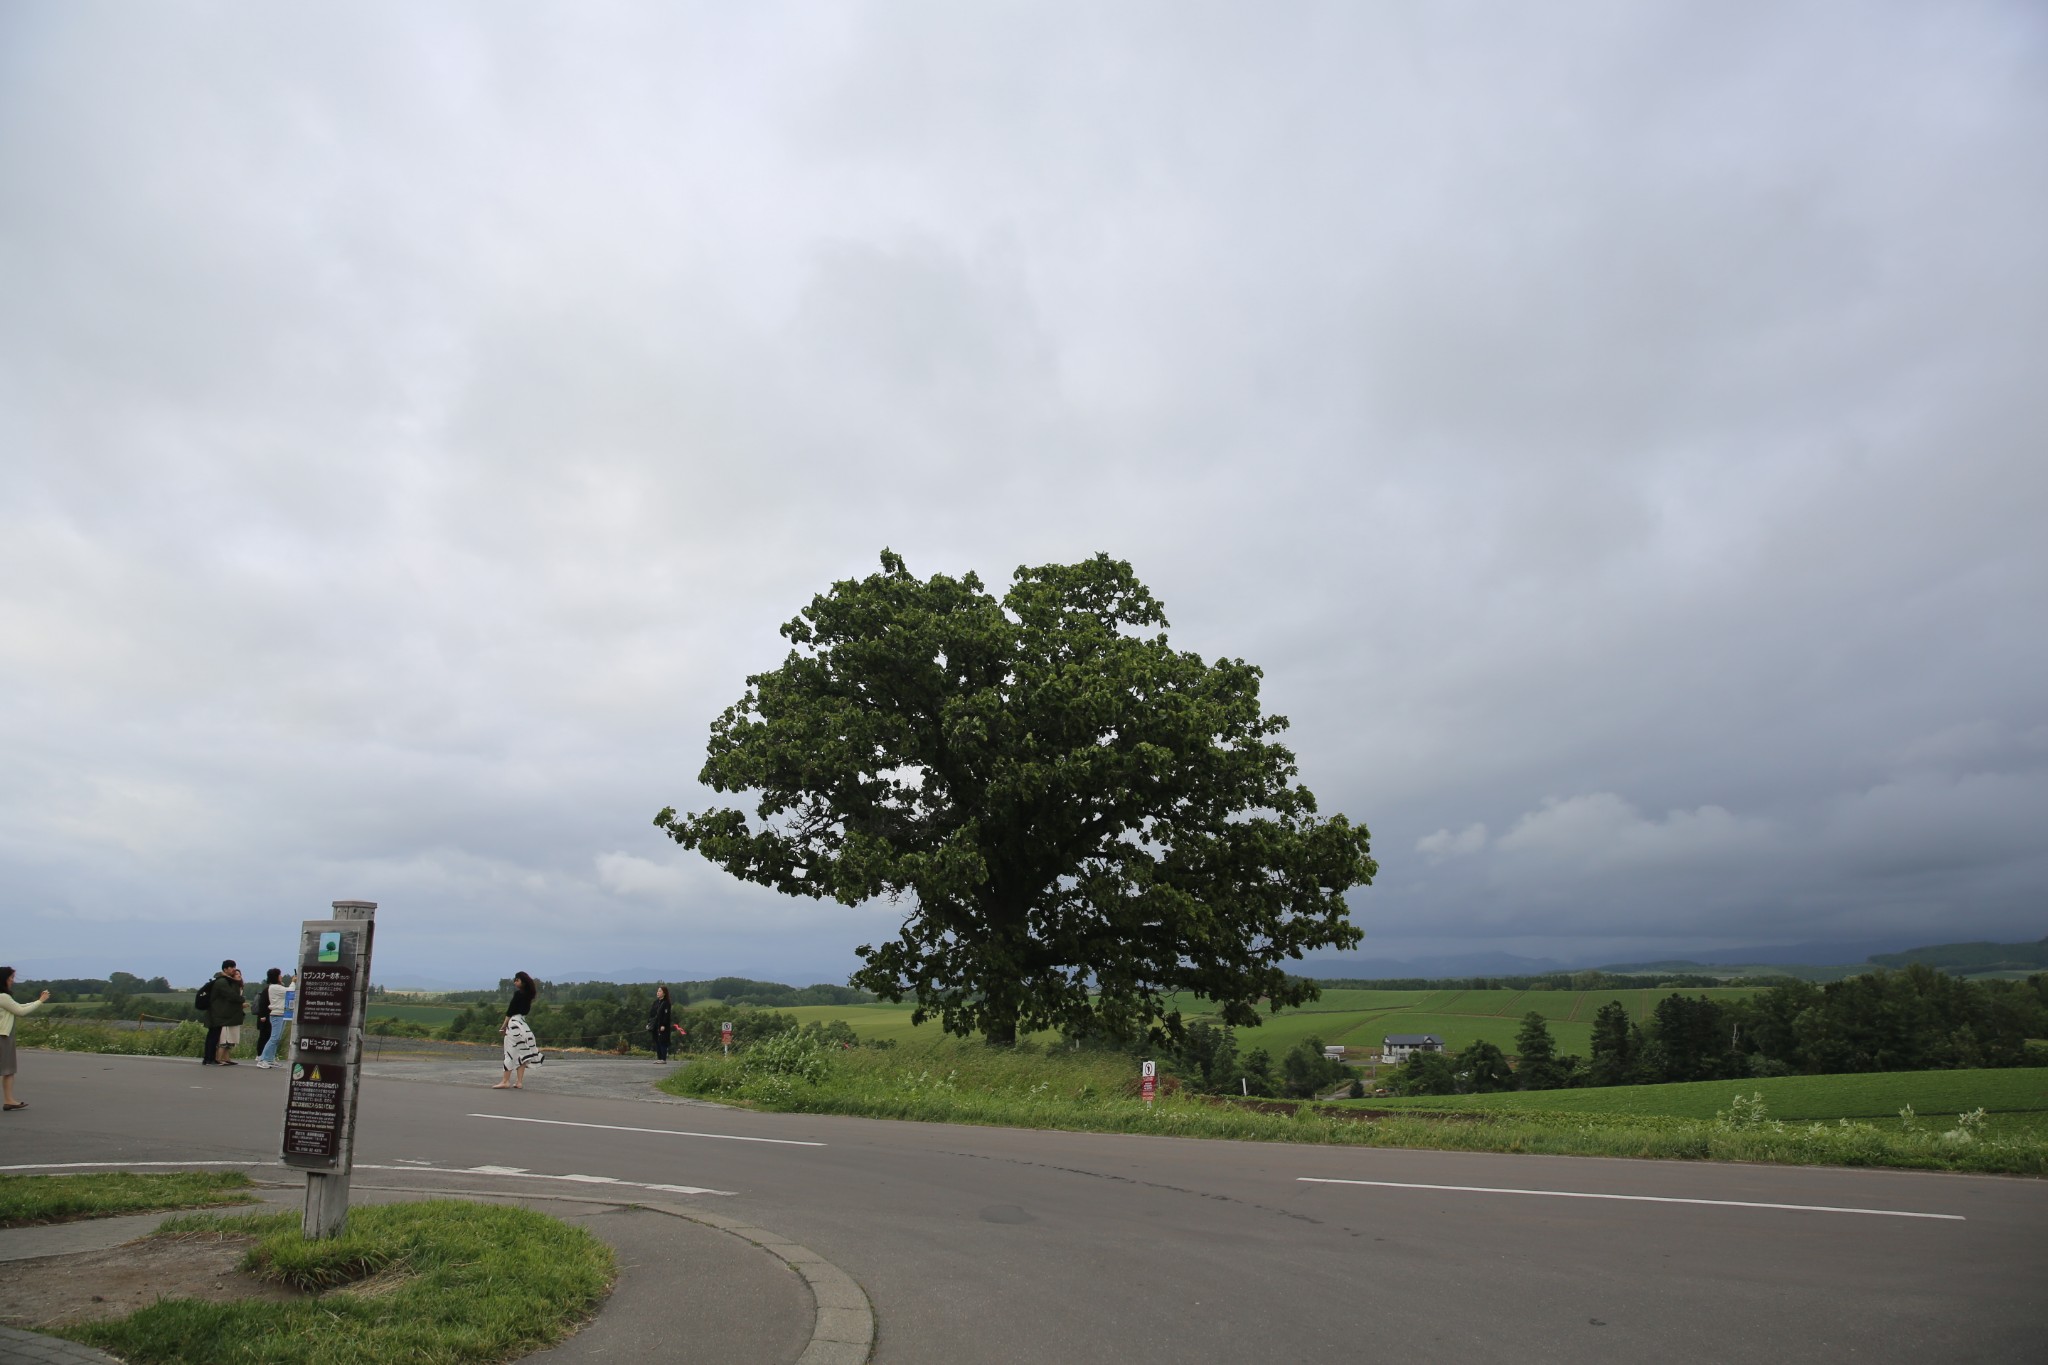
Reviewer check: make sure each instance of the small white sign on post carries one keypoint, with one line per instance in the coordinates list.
(725, 1037)
(1148, 1080)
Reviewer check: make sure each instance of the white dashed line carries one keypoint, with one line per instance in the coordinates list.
(1636, 1198)
(521, 1173)
(665, 1132)
(503, 1172)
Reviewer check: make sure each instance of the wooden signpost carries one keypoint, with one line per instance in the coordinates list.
(327, 1049)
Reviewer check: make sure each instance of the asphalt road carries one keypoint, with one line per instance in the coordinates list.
(979, 1244)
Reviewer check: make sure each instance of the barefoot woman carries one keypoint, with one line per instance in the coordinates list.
(521, 1049)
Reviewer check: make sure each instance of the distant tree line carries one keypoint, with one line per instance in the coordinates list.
(91, 997)
(619, 1021)
(1551, 981)
(730, 990)
(1918, 1019)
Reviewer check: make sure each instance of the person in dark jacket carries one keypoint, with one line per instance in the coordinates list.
(273, 977)
(210, 1054)
(660, 1021)
(225, 1010)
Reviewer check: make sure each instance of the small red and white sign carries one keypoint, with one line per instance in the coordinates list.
(1148, 1080)
(725, 1036)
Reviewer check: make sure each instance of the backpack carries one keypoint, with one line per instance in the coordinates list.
(204, 999)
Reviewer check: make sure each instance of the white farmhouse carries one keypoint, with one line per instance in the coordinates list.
(1399, 1047)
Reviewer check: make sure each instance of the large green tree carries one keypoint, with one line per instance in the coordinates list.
(1082, 819)
(1536, 1064)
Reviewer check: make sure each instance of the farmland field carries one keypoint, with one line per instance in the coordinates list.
(435, 1015)
(2009, 1091)
(1358, 1019)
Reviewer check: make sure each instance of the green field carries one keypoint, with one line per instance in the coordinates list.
(2014, 1091)
(1358, 1019)
(435, 1015)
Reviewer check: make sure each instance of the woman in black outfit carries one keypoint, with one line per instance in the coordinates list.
(660, 1020)
(264, 1023)
(521, 1048)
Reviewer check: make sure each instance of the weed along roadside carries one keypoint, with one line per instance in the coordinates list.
(1055, 1087)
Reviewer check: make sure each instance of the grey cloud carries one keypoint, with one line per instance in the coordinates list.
(416, 424)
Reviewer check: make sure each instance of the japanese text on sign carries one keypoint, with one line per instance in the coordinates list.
(324, 995)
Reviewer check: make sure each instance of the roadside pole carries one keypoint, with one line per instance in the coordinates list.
(326, 1060)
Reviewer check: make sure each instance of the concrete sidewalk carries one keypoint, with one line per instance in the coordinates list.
(692, 1285)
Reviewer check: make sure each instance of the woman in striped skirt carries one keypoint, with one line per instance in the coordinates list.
(521, 1048)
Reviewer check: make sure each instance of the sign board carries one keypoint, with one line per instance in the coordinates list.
(326, 1055)
(315, 1109)
(327, 995)
(326, 1043)
(725, 1036)
(1148, 1080)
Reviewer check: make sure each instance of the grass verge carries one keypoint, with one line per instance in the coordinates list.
(85, 1035)
(953, 1081)
(439, 1282)
(1865, 1095)
(28, 1200)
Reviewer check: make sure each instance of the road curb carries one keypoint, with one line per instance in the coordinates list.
(843, 1321)
(844, 1331)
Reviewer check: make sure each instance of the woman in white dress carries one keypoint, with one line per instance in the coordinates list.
(522, 1049)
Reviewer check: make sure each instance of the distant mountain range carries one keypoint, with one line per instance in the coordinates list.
(1972, 957)
(1892, 952)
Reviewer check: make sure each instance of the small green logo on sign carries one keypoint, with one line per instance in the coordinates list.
(330, 946)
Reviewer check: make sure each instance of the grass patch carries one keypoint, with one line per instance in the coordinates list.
(2012, 1090)
(956, 1081)
(28, 1200)
(439, 1283)
(85, 1035)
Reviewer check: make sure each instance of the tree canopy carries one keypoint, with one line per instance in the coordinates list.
(1082, 819)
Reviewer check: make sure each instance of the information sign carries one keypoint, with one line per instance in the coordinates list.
(327, 995)
(1148, 1080)
(315, 1109)
(327, 1046)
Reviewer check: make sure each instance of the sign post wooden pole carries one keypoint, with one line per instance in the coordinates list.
(327, 1051)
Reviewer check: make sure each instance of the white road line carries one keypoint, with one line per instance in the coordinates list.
(508, 1172)
(1636, 1198)
(521, 1173)
(665, 1132)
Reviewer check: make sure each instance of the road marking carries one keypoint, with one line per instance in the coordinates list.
(1637, 1198)
(508, 1172)
(665, 1132)
(521, 1173)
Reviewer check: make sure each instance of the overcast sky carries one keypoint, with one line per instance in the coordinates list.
(1616, 429)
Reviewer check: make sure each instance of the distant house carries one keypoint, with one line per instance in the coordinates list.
(1399, 1047)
